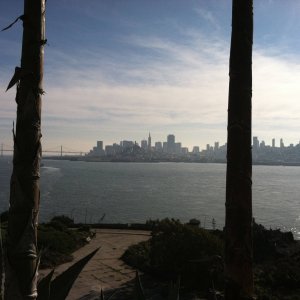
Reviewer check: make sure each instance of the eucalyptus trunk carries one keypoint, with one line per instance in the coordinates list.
(22, 259)
(238, 226)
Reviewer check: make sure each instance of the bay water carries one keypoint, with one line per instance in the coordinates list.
(136, 192)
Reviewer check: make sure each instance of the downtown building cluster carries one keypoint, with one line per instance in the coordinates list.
(167, 150)
(273, 154)
(170, 150)
(146, 145)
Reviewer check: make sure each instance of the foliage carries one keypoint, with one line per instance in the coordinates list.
(68, 222)
(59, 288)
(280, 280)
(178, 249)
(175, 248)
(57, 242)
(138, 256)
(267, 243)
(138, 290)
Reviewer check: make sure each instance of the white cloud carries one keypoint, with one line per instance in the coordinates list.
(179, 92)
(165, 87)
(276, 108)
(207, 16)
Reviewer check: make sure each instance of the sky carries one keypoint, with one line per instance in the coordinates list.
(119, 69)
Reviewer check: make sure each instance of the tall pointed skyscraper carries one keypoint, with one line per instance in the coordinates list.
(149, 142)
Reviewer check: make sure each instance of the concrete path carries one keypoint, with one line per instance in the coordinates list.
(105, 270)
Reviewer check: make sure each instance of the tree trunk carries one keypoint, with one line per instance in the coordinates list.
(238, 225)
(22, 260)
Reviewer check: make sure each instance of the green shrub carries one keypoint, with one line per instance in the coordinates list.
(68, 222)
(178, 249)
(138, 256)
(57, 242)
(57, 225)
(85, 228)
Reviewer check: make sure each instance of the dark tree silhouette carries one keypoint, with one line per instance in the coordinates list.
(22, 260)
(238, 226)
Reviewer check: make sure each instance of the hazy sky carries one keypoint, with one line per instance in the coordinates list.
(116, 70)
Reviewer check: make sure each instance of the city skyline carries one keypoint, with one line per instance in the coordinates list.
(171, 149)
(144, 142)
(203, 146)
(115, 69)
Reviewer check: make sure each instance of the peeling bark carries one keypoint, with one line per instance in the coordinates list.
(22, 259)
(238, 225)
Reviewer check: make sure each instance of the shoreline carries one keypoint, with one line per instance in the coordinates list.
(98, 160)
(255, 163)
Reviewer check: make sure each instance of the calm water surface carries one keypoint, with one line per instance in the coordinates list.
(135, 192)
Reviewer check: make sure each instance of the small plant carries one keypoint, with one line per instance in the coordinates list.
(59, 288)
(139, 291)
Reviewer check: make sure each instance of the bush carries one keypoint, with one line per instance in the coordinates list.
(57, 242)
(138, 256)
(57, 225)
(60, 223)
(68, 222)
(177, 249)
(277, 268)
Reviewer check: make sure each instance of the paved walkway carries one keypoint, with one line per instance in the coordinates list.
(105, 270)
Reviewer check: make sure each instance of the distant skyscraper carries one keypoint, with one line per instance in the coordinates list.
(109, 150)
(196, 149)
(171, 143)
(281, 143)
(100, 145)
(117, 148)
(171, 139)
(177, 148)
(255, 143)
(273, 143)
(165, 147)
(149, 142)
(216, 146)
(185, 150)
(127, 144)
(144, 144)
(158, 146)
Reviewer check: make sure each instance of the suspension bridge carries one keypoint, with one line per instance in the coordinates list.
(56, 151)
